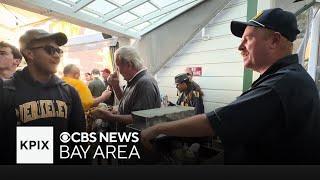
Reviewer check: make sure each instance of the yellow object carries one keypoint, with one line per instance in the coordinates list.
(83, 90)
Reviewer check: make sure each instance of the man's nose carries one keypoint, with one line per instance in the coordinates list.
(241, 46)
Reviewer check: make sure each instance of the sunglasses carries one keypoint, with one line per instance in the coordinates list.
(50, 50)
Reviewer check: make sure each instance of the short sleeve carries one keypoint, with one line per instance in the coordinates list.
(146, 97)
(248, 117)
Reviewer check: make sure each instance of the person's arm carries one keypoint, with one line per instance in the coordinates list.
(86, 97)
(108, 116)
(242, 121)
(122, 119)
(113, 81)
(104, 96)
(195, 126)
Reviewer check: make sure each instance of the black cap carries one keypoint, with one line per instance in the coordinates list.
(275, 19)
(180, 78)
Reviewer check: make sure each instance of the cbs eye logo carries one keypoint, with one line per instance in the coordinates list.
(65, 137)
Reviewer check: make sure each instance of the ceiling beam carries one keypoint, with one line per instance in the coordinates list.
(123, 9)
(158, 13)
(114, 3)
(81, 4)
(171, 16)
(151, 2)
(53, 9)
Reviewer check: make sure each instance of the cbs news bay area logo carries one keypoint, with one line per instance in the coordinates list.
(35, 145)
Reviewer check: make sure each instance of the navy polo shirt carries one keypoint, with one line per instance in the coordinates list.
(276, 121)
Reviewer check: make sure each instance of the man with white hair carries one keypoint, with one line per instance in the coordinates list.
(141, 92)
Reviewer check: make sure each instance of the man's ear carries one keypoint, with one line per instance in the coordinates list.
(275, 40)
(129, 65)
(28, 54)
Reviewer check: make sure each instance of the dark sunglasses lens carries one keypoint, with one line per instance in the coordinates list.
(52, 50)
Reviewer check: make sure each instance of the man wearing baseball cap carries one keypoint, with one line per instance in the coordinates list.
(276, 121)
(189, 95)
(35, 96)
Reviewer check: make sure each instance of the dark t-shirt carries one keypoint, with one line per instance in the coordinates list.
(276, 121)
(96, 87)
(36, 104)
(141, 93)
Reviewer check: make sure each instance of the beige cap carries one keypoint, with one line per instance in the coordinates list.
(34, 35)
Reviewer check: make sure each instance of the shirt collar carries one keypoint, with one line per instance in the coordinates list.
(281, 63)
(143, 69)
(136, 77)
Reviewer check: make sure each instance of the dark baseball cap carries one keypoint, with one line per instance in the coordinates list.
(34, 35)
(274, 19)
(180, 78)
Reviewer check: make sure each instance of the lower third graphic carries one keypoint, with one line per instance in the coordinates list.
(34, 145)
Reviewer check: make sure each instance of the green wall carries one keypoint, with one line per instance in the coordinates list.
(247, 74)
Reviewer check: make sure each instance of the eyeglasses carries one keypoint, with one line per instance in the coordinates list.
(50, 50)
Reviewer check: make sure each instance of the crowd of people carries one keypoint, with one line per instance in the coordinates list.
(275, 121)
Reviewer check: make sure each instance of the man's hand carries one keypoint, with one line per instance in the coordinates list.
(101, 114)
(113, 79)
(147, 135)
(106, 94)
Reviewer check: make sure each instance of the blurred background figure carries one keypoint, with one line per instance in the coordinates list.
(189, 73)
(87, 77)
(105, 75)
(10, 58)
(71, 74)
(96, 86)
(189, 94)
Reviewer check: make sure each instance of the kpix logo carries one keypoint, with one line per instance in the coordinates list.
(34, 145)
